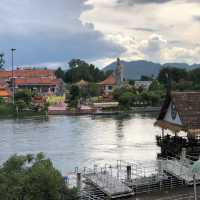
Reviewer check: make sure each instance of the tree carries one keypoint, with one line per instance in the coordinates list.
(24, 95)
(155, 85)
(126, 99)
(146, 78)
(79, 69)
(175, 74)
(60, 73)
(21, 105)
(74, 96)
(2, 101)
(93, 89)
(33, 177)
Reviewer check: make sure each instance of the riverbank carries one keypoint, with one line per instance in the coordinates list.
(8, 111)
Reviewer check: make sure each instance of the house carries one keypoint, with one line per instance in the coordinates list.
(180, 115)
(142, 84)
(40, 80)
(115, 80)
(39, 85)
(108, 85)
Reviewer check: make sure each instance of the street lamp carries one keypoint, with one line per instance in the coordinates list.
(13, 84)
(195, 171)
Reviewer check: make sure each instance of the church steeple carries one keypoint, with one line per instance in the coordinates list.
(119, 73)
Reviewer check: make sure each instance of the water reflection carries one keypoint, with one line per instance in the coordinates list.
(81, 141)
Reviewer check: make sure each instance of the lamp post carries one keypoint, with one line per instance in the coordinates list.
(13, 84)
(195, 171)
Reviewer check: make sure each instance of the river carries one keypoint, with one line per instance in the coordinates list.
(81, 140)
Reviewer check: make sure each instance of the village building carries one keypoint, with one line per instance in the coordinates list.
(41, 81)
(180, 115)
(142, 84)
(115, 80)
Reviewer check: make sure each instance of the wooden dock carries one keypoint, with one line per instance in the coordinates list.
(108, 184)
(180, 169)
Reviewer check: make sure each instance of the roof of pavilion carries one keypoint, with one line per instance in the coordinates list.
(187, 106)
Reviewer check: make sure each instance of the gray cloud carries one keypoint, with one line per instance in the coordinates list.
(144, 29)
(196, 18)
(50, 31)
(132, 2)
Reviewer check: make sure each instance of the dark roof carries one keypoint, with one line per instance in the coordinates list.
(188, 107)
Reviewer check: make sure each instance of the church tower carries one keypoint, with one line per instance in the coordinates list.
(119, 73)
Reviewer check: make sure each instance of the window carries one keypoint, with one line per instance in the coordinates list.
(110, 87)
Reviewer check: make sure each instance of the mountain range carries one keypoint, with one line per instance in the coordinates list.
(135, 69)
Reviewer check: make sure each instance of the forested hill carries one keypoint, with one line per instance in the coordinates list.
(136, 69)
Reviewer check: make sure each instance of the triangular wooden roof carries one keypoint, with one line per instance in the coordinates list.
(188, 107)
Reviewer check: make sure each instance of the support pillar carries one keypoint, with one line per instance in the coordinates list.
(128, 170)
(195, 187)
(183, 153)
(78, 181)
(163, 133)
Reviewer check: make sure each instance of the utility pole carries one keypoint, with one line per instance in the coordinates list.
(13, 82)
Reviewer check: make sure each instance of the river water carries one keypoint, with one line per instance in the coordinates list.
(81, 141)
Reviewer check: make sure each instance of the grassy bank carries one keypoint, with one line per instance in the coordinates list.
(9, 111)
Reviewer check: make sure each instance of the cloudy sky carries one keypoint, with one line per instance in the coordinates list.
(51, 32)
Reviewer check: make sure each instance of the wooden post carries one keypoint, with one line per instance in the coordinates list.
(195, 187)
(128, 168)
(183, 153)
(78, 181)
(163, 133)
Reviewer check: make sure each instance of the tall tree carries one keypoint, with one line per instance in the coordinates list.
(60, 73)
(79, 69)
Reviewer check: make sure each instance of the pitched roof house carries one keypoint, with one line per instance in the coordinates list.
(115, 80)
(40, 80)
(181, 112)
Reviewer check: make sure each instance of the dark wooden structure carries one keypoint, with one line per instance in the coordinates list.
(180, 114)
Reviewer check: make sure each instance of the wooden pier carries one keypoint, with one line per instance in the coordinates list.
(181, 169)
(110, 185)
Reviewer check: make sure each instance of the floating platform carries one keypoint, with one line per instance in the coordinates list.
(108, 184)
(181, 169)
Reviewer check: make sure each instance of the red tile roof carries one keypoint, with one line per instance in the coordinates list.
(110, 80)
(36, 81)
(4, 92)
(27, 73)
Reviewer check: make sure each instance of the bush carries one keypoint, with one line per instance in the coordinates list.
(1, 100)
(25, 95)
(7, 110)
(126, 99)
(20, 105)
(33, 177)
